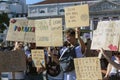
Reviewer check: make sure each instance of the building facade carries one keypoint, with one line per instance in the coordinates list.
(99, 9)
(14, 8)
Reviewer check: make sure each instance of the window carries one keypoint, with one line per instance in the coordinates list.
(62, 10)
(42, 11)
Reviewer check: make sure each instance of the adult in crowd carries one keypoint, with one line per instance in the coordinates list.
(32, 72)
(20, 74)
(113, 72)
(53, 67)
(75, 50)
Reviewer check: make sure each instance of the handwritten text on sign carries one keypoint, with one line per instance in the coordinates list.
(106, 37)
(77, 16)
(49, 32)
(88, 68)
(38, 57)
(21, 30)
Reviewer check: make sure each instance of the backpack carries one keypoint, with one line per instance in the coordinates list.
(53, 69)
(66, 59)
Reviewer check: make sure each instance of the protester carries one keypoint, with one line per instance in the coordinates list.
(74, 51)
(20, 74)
(53, 67)
(117, 56)
(65, 45)
(114, 66)
(32, 72)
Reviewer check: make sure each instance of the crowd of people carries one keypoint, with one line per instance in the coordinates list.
(59, 64)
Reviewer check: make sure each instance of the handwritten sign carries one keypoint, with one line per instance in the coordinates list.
(30, 35)
(106, 36)
(118, 32)
(77, 16)
(38, 57)
(49, 32)
(11, 61)
(88, 68)
(15, 32)
(21, 29)
(97, 40)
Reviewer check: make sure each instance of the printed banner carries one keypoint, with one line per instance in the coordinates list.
(77, 16)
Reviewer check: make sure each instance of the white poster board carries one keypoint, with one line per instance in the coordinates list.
(106, 36)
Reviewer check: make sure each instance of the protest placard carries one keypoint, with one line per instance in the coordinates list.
(12, 61)
(49, 32)
(15, 31)
(38, 58)
(106, 36)
(77, 16)
(21, 29)
(30, 35)
(97, 40)
(88, 68)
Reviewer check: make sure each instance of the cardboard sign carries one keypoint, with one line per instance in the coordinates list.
(20, 29)
(11, 61)
(97, 40)
(77, 16)
(38, 58)
(49, 32)
(30, 35)
(106, 36)
(88, 68)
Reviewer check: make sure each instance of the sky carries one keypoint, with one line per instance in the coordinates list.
(33, 1)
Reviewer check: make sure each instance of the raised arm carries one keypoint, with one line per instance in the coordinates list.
(81, 41)
(117, 66)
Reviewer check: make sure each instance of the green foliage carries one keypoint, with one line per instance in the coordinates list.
(3, 19)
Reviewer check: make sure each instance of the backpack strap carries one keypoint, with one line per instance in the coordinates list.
(63, 53)
(74, 50)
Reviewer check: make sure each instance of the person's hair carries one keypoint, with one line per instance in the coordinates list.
(116, 53)
(70, 31)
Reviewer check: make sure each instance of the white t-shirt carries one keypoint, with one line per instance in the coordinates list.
(114, 70)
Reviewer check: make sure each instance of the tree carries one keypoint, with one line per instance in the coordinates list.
(3, 19)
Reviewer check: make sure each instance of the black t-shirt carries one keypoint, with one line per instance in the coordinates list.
(31, 69)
